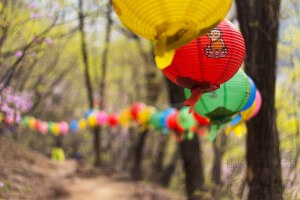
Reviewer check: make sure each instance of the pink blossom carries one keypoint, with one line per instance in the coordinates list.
(48, 40)
(35, 15)
(19, 54)
(1, 184)
(33, 6)
(13, 103)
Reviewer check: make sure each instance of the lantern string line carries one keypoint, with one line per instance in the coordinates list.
(93, 118)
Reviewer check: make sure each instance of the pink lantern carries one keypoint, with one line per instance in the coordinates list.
(43, 128)
(63, 128)
(258, 100)
(101, 118)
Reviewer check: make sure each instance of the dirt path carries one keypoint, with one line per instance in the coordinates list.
(102, 187)
(30, 175)
(99, 188)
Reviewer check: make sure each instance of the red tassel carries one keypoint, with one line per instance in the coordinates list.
(196, 95)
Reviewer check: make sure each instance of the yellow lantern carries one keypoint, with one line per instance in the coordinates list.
(82, 124)
(240, 128)
(246, 115)
(1, 117)
(92, 120)
(125, 117)
(170, 23)
(145, 114)
(31, 122)
(55, 129)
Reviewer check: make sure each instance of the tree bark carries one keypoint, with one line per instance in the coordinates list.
(108, 29)
(85, 56)
(170, 169)
(259, 22)
(88, 82)
(158, 160)
(190, 151)
(219, 149)
(136, 172)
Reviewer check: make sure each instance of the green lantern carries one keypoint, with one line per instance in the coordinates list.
(185, 119)
(154, 120)
(220, 105)
(25, 121)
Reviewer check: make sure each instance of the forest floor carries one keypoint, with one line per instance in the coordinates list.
(30, 175)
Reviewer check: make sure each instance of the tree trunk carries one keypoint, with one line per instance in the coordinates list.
(170, 169)
(108, 28)
(136, 172)
(85, 56)
(158, 160)
(88, 83)
(190, 151)
(219, 149)
(259, 22)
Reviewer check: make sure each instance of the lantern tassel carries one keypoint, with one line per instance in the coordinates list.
(196, 95)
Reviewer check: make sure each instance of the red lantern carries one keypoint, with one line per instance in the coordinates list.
(172, 123)
(9, 120)
(201, 120)
(37, 125)
(113, 120)
(135, 109)
(210, 60)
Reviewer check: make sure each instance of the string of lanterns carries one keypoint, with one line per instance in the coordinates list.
(169, 120)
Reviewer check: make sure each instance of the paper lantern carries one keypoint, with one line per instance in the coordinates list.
(248, 109)
(1, 117)
(171, 23)
(203, 121)
(101, 118)
(220, 105)
(172, 123)
(54, 127)
(88, 113)
(258, 102)
(74, 126)
(112, 120)
(185, 119)
(125, 117)
(31, 122)
(252, 95)
(92, 120)
(238, 122)
(43, 128)
(205, 63)
(25, 121)
(163, 118)
(145, 114)
(37, 125)
(135, 109)
(9, 120)
(244, 115)
(154, 120)
(63, 128)
(82, 124)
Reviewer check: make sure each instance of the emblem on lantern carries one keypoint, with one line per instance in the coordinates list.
(217, 47)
